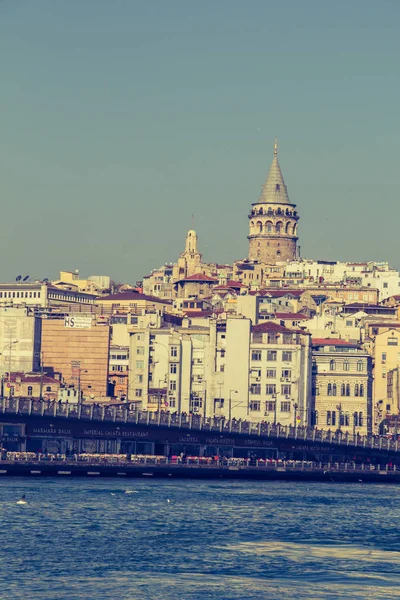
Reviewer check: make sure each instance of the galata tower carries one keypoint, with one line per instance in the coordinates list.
(273, 220)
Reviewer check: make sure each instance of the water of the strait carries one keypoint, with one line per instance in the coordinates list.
(118, 539)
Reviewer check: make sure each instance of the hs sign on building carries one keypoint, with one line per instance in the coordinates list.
(78, 322)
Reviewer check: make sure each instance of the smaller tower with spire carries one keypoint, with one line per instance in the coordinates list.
(273, 220)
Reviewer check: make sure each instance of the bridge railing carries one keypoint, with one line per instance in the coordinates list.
(122, 414)
(194, 462)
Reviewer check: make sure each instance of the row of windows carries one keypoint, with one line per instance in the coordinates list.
(270, 389)
(120, 368)
(271, 373)
(255, 405)
(69, 297)
(20, 295)
(346, 365)
(119, 357)
(30, 390)
(272, 355)
(344, 418)
(345, 389)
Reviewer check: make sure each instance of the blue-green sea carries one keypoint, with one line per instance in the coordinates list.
(123, 540)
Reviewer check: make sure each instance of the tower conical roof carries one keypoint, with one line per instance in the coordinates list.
(274, 189)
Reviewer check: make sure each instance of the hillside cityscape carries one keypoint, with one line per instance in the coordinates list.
(271, 338)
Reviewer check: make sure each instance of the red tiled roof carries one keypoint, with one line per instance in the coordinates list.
(32, 378)
(192, 314)
(280, 293)
(198, 277)
(291, 316)
(333, 342)
(270, 327)
(133, 296)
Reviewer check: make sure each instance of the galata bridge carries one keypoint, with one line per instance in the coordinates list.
(29, 425)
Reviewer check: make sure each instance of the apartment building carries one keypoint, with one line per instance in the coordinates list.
(226, 368)
(341, 386)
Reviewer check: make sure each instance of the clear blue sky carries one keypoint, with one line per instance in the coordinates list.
(119, 119)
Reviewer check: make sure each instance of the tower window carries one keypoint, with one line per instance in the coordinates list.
(277, 187)
(278, 252)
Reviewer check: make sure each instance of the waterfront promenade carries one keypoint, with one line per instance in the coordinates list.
(192, 467)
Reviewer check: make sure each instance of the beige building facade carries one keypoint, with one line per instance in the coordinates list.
(223, 368)
(341, 387)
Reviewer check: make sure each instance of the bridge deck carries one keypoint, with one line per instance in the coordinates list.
(122, 414)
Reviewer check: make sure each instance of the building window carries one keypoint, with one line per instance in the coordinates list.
(140, 378)
(271, 373)
(140, 350)
(355, 419)
(140, 364)
(286, 390)
(332, 365)
(349, 323)
(270, 389)
(346, 365)
(255, 388)
(270, 406)
(255, 405)
(360, 419)
(272, 355)
(256, 355)
(30, 390)
(356, 390)
(334, 389)
(360, 365)
(347, 389)
(392, 341)
(222, 368)
(342, 390)
(222, 353)
(286, 373)
(346, 419)
(329, 389)
(138, 392)
(287, 338)
(361, 390)
(172, 386)
(333, 417)
(174, 351)
(173, 368)
(383, 358)
(285, 406)
(48, 389)
(286, 356)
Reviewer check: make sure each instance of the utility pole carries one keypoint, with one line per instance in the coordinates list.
(41, 376)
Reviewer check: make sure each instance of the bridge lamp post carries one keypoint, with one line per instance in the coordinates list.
(230, 402)
(295, 406)
(339, 408)
(378, 414)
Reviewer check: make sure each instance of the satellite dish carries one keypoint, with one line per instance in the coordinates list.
(18, 278)
(26, 278)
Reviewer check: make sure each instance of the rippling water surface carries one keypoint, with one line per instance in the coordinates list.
(119, 539)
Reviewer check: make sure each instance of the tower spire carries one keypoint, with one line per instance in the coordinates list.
(274, 189)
